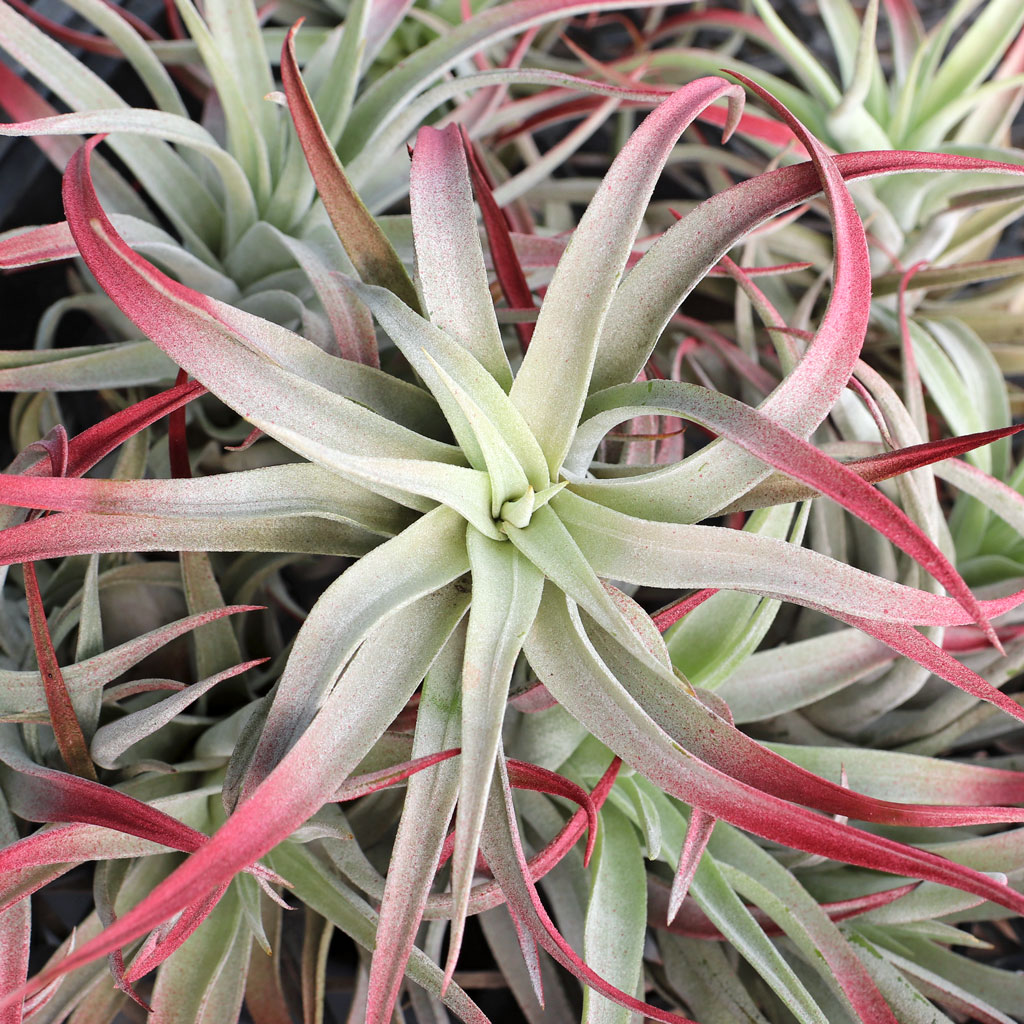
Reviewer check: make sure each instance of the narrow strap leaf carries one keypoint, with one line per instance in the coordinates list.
(569, 671)
(506, 594)
(367, 246)
(387, 580)
(449, 259)
(761, 436)
(429, 804)
(66, 727)
(216, 342)
(507, 478)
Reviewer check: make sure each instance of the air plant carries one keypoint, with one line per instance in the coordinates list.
(485, 535)
(487, 515)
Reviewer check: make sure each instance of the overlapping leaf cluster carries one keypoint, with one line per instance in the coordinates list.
(485, 521)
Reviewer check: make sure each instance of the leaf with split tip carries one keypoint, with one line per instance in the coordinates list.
(114, 738)
(367, 246)
(568, 330)
(21, 693)
(449, 259)
(506, 594)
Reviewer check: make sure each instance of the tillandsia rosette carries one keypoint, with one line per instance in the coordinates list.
(493, 538)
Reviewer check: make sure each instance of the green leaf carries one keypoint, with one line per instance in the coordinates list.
(972, 58)
(136, 52)
(715, 638)
(506, 595)
(220, 56)
(467, 491)
(758, 877)
(703, 971)
(509, 484)
(321, 888)
(449, 259)
(216, 647)
(164, 175)
(551, 548)
(804, 64)
(429, 803)
(729, 915)
(203, 981)
(616, 925)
